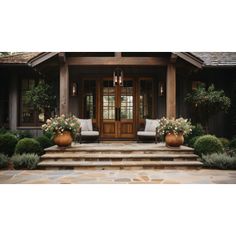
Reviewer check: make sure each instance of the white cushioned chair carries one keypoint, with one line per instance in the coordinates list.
(87, 131)
(150, 130)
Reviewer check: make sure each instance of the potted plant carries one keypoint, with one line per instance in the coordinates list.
(64, 129)
(174, 130)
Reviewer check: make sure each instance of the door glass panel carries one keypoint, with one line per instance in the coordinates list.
(145, 99)
(89, 99)
(127, 103)
(108, 100)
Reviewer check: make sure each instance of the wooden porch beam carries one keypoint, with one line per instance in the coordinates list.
(171, 91)
(64, 87)
(129, 61)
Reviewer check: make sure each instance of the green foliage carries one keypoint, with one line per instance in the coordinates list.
(232, 113)
(208, 144)
(20, 134)
(25, 161)
(48, 134)
(207, 102)
(191, 142)
(28, 145)
(44, 142)
(197, 131)
(219, 161)
(3, 130)
(41, 96)
(232, 144)
(3, 161)
(225, 142)
(7, 144)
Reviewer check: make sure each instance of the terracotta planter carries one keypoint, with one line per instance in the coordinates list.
(63, 140)
(173, 140)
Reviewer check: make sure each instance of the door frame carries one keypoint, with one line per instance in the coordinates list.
(117, 125)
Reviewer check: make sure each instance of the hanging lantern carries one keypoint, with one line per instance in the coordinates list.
(118, 77)
(74, 91)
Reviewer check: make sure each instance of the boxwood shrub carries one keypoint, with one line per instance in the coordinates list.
(28, 145)
(208, 144)
(44, 142)
(3, 161)
(7, 144)
(197, 131)
(219, 161)
(232, 144)
(20, 134)
(192, 141)
(225, 142)
(25, 161)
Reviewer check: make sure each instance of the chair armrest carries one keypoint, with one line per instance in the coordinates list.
(79, 130)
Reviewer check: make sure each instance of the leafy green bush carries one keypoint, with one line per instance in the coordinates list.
(20, 134)
(219, 161)
(232, 144)
(197, 131)
(7, 144)
(44, 142)
(208, 144)
(48, 134)
(25, 161)
(28, 145)
(192, 141)
(3, 130)
(3, 161)
(225, 142)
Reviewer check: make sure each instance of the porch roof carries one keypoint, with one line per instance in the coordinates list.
(209, 59)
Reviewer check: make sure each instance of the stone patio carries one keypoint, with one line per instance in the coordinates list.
(203, 176)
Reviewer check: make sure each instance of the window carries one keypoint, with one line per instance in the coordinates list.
(28, 115)
(108, 100)
(89, 99)
(127, 103)
(145, 99)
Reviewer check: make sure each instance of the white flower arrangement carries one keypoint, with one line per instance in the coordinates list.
(174, 126)
(59, 124)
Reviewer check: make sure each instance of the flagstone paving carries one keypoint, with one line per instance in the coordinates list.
(202, 176)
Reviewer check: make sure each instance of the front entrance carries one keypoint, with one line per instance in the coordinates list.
(118, 111)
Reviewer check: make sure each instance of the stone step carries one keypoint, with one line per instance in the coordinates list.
(78, 155)
(120, 164)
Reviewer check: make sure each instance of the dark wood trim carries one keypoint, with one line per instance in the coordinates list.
(108, 61)
(41, 58)
(190, 58)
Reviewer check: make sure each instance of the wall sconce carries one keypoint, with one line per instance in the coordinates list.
(161, 88)
(118, 77)
(74, 89)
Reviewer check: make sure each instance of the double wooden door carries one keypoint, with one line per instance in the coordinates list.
(118, 109)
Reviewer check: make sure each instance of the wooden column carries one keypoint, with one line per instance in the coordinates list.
(13, 102)
(171, 91)
(64, 85)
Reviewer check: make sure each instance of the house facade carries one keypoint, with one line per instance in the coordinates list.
(117, 90)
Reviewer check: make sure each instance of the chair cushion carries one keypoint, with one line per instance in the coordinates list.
(89, 133)
(146, 133)
(151, 125)
(86, 124)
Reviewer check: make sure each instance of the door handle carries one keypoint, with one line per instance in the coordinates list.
(119, 114)
(116, 113)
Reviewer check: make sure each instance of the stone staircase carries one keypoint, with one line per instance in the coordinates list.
(119, 156)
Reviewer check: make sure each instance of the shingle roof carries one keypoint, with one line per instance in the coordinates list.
(214, 59)
(21, 58)
(217, 59)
